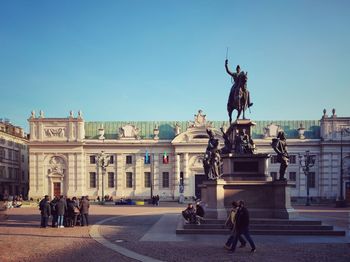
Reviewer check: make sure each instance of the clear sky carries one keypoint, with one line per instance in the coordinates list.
(164, 60)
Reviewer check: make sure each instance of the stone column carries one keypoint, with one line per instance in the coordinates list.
(138, 174)
(40, 131)
(33, 180)
(80, 185)
(42, 178)
(187, 181)
(70, 134)
(69, 176)
(120, 181)
(155, 174)
(81, 130)
(177, 176)
(32, 131)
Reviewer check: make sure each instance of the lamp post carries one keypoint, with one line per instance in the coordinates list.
(309, 161)
(102, 160)
(340, 202)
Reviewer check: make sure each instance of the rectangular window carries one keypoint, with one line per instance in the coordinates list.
(9, 173)
(293, 178)
(274, 159)
(16, 174)
(129, 160)
(15, 155)
(2, 153)
(111, 179)
(292, 159)
(273, 175)
(148, 179)
(2, 172)
(92, 160)
(129, 179)
(111, 160)
(22, 158)
(165, 179)
(22, 175)
(92, 179)
(311, 179)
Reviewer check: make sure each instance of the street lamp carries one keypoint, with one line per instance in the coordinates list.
(341, 201)
(309, 161)
(102, 160)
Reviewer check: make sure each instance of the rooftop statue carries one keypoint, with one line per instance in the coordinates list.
(239, 97)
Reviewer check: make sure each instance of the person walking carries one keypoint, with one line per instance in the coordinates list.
(45, 211)
(230, 222)
(242, 227)
(84, 211)
(61, 209)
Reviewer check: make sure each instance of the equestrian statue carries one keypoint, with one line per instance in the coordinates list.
(239, 97)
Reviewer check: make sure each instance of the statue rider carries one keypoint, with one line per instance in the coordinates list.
(236, 77)
(237, 88)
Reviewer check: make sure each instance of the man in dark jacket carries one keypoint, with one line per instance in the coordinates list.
(84, 211)
(242, 227)
(53, 211)
(61, 209)
(45, 211)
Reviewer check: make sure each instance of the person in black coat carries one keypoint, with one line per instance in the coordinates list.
(61, 209)
(53, 211)
(76, 211)
(45, 211)
(84, 211)
(189, 214)
(199, 210)
(242, 227)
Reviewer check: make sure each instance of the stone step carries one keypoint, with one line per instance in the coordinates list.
(267, 222)
(263, 227)
(263, 232)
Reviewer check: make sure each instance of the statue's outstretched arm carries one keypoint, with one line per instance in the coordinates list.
(228, 70)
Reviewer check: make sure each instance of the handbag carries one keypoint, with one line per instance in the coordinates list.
(76, 210)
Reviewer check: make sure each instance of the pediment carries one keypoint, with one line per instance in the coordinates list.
(196, 135)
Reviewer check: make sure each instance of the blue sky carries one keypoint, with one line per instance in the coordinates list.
(164, 60)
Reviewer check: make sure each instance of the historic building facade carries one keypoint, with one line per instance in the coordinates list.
(165, 158)
(14, 172)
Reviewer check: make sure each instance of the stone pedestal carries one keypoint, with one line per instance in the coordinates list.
(213, 194)
(245, 167)
(264, 199)
(245, 177)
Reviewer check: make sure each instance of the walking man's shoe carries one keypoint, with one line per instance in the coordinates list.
(227, 247)
(253, 250)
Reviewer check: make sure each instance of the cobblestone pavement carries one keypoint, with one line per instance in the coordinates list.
(21, 239)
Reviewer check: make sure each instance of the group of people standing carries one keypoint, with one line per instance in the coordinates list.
(65, 212)
(155, 200)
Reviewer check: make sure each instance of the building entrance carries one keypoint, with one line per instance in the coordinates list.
(56, 188)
